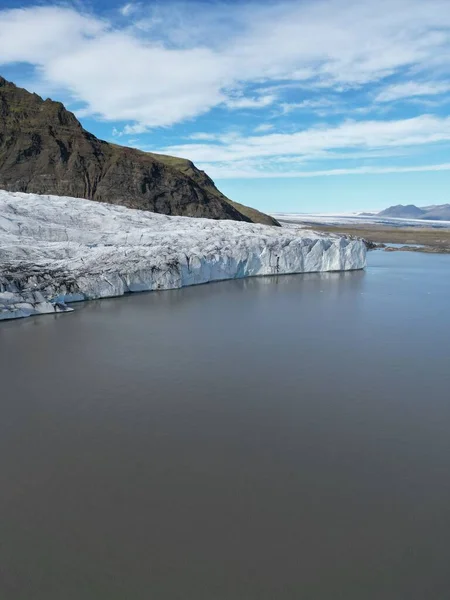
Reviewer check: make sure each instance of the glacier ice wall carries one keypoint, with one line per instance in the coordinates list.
(55, 250)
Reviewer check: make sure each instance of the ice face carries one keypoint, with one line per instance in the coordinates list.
(55, 250)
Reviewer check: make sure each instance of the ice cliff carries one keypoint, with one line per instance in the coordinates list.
(55, 250)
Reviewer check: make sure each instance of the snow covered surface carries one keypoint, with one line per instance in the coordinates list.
(357, 219)
(55, 250)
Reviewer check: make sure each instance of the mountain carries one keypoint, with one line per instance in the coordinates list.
(438, 213)
(428, 213)
(45, 150)
(402, 212)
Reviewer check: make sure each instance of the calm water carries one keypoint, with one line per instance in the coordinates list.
(253, 440)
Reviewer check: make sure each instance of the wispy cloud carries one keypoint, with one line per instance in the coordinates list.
(378, 145)
(264, 128)
(176, 61)
(239, 172)
(412, 89)
(369, 135)
(261, 102)
(297, 88)
(129, 9)
(203, 136)
(308, 105)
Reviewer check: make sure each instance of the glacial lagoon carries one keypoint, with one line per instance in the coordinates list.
(282, 437)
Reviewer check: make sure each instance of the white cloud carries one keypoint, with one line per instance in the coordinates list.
(241, 172)
(117, 75)
(202, 136)
(38, 35)
(412, 89)
(264, 128)
(181, 60)
(135, 129)
(129, 9)
(146, 84)
(260, 102)
(367, 135)
(312, 104)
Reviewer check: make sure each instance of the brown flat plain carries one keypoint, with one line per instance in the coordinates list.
(434, 240)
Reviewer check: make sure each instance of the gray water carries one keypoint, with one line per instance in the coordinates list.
(268, 439)
(391, 245)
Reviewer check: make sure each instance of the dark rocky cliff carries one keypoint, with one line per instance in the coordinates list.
(45, 150)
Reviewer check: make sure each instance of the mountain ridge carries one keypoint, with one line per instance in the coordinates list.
(44, 149)
(436, 212)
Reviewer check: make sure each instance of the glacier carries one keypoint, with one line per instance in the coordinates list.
(55, 250)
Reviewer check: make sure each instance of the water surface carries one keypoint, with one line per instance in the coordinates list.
(273, 438)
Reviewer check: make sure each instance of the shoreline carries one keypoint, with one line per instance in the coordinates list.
(67, 304)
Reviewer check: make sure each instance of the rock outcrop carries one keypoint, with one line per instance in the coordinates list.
(45, 150)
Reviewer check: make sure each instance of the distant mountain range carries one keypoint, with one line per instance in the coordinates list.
(45, 150)
(437, 212)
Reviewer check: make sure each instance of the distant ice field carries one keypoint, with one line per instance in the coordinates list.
(357, 219)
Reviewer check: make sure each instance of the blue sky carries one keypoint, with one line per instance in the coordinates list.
(302, 106)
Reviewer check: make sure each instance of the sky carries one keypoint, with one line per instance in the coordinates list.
(294, 106)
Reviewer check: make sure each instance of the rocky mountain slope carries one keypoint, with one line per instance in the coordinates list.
(45, 150)
(402, 212)
(428, 213)
(438, 212)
